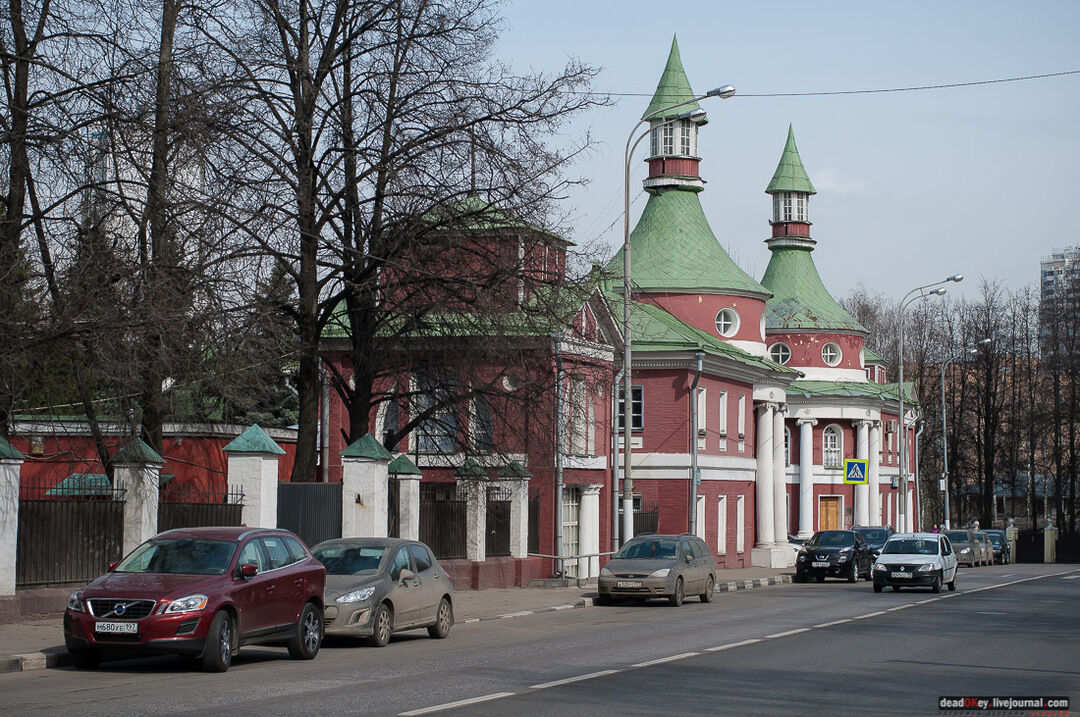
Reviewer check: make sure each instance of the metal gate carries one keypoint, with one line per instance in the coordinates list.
(393, 505)
(69, 531)
(311, 510)
(442, 519)
(498, 520)
(534, 525)
(196, 509)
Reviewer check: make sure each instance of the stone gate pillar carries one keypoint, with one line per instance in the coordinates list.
(137, 467)
(364, 489)
(11, 462)
(473, 480)
(253, 465)
(408, 478)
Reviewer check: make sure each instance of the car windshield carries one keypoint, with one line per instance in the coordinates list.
(910, 546)
(832, 539)
(659, 549)
(957, 536)
(996, 539)
(188, 556)
(874, 535)
(350, 559)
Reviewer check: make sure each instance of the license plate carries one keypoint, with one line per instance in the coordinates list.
(820, 565)
(128, 628)
(902, 575)
(628, 584)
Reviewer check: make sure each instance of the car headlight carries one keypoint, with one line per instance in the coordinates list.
(357, 595)
(802, 557)
(880, 566)
(75, 603)
(926, 567)
(606, 573)
(661, 573)
(188, 603)
(845, 554)
(965, 550)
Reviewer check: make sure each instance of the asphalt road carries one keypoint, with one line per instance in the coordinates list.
(832, 648)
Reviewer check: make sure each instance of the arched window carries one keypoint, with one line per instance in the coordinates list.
(780, 353)
(832, 447)
(831, 354)
(727, 322)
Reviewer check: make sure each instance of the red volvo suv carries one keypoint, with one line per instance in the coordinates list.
(202, 592)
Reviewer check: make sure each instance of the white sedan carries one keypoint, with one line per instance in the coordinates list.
(916, 559)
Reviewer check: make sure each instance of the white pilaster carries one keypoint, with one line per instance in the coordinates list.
(141, 484)
(589, 531)
(874, 473)
(257, 476)
(9, 522)
(364, 497)
(806, 476)
(519, 517)
(764, 479)
(780, 510)
(909, 514)
(862, 492)
(409, 507)
(476, 518)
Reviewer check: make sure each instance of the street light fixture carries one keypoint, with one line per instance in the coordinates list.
(968, 350)
(724, 92)
(919, 292)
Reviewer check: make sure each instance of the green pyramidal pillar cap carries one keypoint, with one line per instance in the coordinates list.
(402, 466)
(254, 440)
(470, 469)
(513, 469)
(790, 176)
(137, 453)
(673, 88)
(367, 447)
(8, 452)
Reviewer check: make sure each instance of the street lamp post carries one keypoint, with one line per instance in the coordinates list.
(724, 92)
(920, 292)
(944, 424)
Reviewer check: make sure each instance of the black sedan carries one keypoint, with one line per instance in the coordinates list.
(1002, 555)
(834, 554)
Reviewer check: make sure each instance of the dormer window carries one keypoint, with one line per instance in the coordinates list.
(791, 207)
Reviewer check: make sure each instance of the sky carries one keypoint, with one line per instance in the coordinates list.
(912, 186)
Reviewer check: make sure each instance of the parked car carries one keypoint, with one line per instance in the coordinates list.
(378, 586)
(670, 566)
(911, 559)
(966, 547)
(836, 554)
(875, 535)
(987, 548)
(1002, 553)
(204, 593)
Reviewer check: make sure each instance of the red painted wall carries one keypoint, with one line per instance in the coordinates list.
(700, 310)
(806, 348)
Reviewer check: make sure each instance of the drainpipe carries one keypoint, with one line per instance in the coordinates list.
(324, 428)
(555, 340)
(699, 356)
(917, 514)
(615, 462)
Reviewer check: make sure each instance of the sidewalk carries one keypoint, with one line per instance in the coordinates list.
(38, 643)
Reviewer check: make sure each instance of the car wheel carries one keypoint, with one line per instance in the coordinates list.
(854, 575)
(878, 588)
(676, 598)
(307, 635)
(85, 659)
(444, 620)
(708, 594)
(217, 654)
(382, 625)
(896, 588)
(952, 583)
(799, 577)
(869, 572)
(936, 585)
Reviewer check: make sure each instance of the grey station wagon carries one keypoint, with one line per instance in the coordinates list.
(670, 566)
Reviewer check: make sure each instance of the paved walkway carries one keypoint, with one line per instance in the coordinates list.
(38, 643)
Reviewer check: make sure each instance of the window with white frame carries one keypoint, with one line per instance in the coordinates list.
(742, 415)
(722, 416)
(831, 354)
(791, 207)
(702, 411)
(721, 525)
(727, 322)
(832, 447)
(637, 409)
(438, 432)
(686, 138)
(780, 353)
(579, 417)
(787, 446)
(667, 133)
(481, 426)
(801, 201)
(740, 523)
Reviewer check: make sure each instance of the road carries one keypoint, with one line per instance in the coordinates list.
(832, 648)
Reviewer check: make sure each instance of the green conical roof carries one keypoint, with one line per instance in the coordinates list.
(673, 88)
(137, 453)
(254, 440)
(367, 447)
(402, 466)
(470, 469)
(800, 300)
(9, 452)
(790, 175)
(674, 249)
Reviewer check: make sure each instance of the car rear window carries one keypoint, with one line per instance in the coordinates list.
(295, 548)
(421, 558)
(277, 552)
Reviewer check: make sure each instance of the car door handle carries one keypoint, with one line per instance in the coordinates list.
(270, 588)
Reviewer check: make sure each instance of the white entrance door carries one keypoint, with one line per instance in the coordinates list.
(570, 519)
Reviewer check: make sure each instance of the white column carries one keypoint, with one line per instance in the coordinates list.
(806, 476)
(874, 473)
(862, 492)
(780, 511)
(475, 518)
(142, 483)
(10, 467)
(909, 514)
(764, 493)
(409, 506)
(519, 517)
(257, 476)
(364, 497)
(589, 531)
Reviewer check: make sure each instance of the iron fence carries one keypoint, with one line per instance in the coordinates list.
(442, 520)
(311, 510)
(179, 508)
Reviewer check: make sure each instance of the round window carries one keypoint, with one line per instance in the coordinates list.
(780, 353)
(830, 353)
(727, 322)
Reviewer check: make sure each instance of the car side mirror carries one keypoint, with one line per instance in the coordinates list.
(405, 575)
(687, 558)
(113, 564)
(249, 570)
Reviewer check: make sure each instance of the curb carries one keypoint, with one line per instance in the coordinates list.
(59, 657)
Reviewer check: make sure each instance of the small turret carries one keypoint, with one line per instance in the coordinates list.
(673, 143)
(790, 189)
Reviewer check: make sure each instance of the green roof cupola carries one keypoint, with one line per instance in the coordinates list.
(673, 136)
(790, 189)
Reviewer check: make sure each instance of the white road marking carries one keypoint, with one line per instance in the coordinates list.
(459, 703)
(732, 645)
(869, 614)
(1071, 577)
(899, 607)
(662, 660)
(989, 612)
(923, 602)
(834, 622)
(523, 613)
(1009, 575)
(789, 632)
(579, 678)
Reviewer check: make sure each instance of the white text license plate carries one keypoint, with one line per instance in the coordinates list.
(117, 627)
(820, 565)
(628, 584)
(902, 575)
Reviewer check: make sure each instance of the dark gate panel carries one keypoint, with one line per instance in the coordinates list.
(498, 521)
(1029, 547)
(647, 518)
(393, 504)
(311, 510)
(185, 509)
(442, 520)
(534, 525)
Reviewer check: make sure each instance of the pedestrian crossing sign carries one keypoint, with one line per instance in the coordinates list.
(855, 471)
